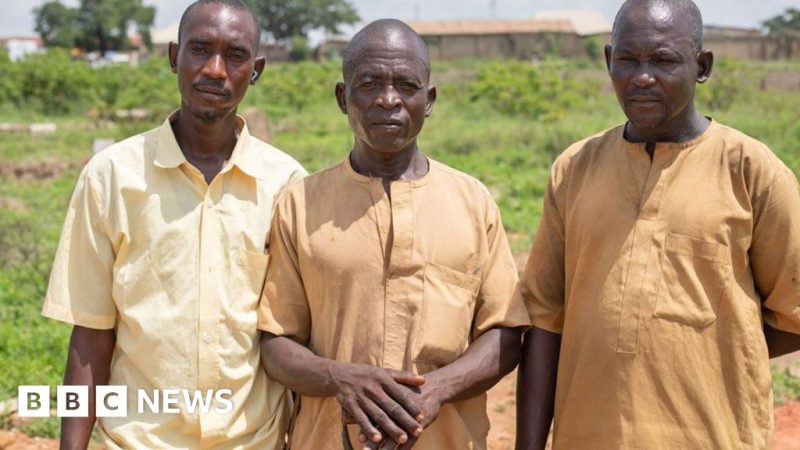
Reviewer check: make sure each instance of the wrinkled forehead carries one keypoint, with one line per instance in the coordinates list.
(213, 21)
(646, 25)
(388, 47)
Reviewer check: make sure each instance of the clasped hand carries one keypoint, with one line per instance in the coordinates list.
(392, 407)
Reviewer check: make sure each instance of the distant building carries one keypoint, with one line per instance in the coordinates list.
(750, 43)
(553, 33)
(19, 46)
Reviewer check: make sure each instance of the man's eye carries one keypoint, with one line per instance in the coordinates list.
(198, 50)
(407, 87)
(237, 56)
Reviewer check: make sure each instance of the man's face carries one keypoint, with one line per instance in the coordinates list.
(653, 66)
(215, 60)
(386, 96)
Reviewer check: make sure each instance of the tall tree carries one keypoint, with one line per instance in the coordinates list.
(285, 19)
(100, 25)
(57, 24)
(787, 21)
(784, 28)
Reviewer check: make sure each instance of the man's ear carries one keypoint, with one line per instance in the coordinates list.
(341, 98)
(607, 52)
(172, 53)
(705, 64)
(258, 69)
(431, 100)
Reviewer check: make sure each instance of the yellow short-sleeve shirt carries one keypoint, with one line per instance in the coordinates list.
(176, 267)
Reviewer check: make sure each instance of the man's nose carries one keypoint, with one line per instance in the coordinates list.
(389, 98)
(644, 76)
(215, 67)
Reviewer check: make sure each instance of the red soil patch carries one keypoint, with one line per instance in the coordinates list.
(37, 170)
(787, 427)
(12, 440)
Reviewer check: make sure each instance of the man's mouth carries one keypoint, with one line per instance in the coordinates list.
(214, 92)
(642, 99)
(210, 90)
(388, 124)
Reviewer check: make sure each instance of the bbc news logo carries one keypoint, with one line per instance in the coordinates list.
(112, 401)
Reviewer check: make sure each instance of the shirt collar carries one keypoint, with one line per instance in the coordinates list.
(170, 156)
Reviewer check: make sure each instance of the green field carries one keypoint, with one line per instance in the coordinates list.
(502, 122)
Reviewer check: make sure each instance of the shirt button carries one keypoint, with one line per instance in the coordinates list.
(207, 338)
(209, 204)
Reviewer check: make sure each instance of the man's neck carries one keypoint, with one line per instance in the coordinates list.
(206, 140)
(207, 145)
(690, 127)
(408, 164)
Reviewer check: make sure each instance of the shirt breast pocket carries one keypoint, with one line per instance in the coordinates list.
(253, 269)
(694, 277)
(448, 304)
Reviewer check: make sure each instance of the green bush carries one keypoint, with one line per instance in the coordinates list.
(286, 88)
(541, 92)
(53, 83)
(730, 81)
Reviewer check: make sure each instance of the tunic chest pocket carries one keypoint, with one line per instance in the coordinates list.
(448, 303)
(694, 278)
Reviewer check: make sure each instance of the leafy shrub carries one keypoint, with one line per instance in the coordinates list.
(152, 85)
(541, 92)
(729, 81)
(52, 83)
(285, 88)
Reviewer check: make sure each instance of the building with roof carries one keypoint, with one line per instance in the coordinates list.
(555, 33)
(19, 46)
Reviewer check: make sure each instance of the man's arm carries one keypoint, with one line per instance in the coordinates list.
(780, 342)
(489, 358)
(88, 364)
(536, 387)
(370, 395)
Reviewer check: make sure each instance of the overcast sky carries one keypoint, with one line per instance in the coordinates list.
(17, 18)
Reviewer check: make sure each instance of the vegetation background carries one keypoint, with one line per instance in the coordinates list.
(501, 121)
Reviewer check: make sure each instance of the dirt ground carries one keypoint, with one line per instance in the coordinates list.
(36, 170)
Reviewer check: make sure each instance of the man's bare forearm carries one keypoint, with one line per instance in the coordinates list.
(370, 395)
(296, 367)
(488, 359)
(88, 364)
(536, 388)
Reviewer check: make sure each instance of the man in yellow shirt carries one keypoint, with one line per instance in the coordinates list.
(386, 266)
(668, 248)
(163, 254)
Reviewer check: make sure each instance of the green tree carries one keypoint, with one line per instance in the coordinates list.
(57, 24)
(100, 25)
(784, 28)
(788, 21)
(284, 19)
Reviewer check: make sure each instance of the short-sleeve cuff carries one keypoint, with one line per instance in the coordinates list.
(782, 322)
(80, 318)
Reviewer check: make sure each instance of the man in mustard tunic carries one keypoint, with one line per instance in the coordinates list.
(668, 249)
(386, 266)
(163, 254)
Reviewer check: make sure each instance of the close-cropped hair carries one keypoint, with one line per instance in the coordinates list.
(233, 4)
(687, 10)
